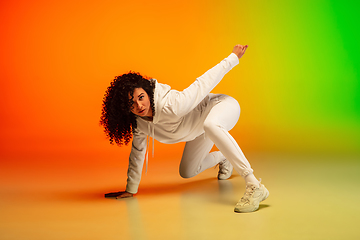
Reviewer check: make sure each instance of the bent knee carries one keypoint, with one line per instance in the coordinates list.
(185, 174)
(232, 103)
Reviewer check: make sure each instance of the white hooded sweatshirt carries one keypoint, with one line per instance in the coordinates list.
(178, 116)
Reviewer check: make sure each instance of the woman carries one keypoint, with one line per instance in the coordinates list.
(135, 107)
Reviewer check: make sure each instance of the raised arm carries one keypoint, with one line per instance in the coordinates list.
(182, 102)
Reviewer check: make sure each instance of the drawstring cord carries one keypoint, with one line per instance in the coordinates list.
(153, 148)
(152, 134)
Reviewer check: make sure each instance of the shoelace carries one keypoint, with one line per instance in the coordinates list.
(152, 134)
(248, 193)
(250, 189)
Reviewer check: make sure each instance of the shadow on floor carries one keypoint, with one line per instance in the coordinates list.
(209, 188)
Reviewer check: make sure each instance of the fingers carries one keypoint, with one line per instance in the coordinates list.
(239, 50)
(112, 194)
(241, 46)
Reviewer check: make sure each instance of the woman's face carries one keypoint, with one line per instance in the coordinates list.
(141, 105)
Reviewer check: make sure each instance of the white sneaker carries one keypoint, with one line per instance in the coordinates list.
(225, 169)
(252, 198)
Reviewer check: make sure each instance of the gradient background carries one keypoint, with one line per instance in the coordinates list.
(298, 83)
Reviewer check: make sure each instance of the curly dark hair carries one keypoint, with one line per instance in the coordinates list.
(116, 117)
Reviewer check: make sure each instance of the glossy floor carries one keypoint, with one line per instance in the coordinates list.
(311, 197)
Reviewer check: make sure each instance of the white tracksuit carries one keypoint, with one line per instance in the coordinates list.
(194, 116)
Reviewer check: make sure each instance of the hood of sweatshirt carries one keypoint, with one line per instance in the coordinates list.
(160, 93)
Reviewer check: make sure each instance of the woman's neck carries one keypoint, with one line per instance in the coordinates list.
(146, 118)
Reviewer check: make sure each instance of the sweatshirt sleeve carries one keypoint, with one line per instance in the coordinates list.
(136, 161)
(182, 102)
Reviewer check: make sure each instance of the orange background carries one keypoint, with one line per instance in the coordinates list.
(58, 58)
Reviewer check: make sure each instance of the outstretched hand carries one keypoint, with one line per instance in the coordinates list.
(118, 195)
(239, 50)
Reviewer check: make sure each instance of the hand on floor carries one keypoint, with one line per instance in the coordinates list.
(116, 195)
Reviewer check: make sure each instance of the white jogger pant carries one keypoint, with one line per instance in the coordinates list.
(222, 114)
